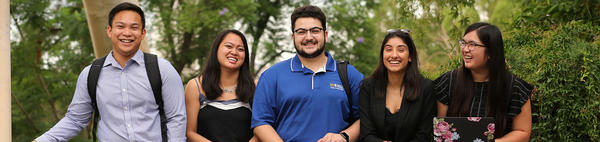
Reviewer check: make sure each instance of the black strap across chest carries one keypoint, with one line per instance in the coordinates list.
(342, 69)
(153, 72)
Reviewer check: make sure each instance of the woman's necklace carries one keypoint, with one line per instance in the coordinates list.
(229, 90)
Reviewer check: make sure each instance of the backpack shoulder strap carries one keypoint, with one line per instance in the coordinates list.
(92, 82)
(151, 62)
(342, 69)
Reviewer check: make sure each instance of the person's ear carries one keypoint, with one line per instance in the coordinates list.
(108, 31)
(326, 33)
(143, 33)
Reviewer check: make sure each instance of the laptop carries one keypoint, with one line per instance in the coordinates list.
(463, 129)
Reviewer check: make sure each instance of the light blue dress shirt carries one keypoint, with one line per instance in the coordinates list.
(126, 104)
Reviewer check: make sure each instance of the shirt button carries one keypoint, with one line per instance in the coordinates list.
(125, 108)
(124, 90)
(129, 125)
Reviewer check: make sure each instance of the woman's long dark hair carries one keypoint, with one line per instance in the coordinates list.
(498, 84)
(211, 75)
(412, 77)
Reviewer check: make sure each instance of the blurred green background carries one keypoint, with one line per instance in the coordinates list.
(552, 44)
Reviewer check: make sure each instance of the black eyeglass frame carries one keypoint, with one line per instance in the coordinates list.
(471, 45)
(308, 30)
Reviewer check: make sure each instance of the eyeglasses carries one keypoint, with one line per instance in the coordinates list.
(469, 45)
(396, 30)
(302, 32)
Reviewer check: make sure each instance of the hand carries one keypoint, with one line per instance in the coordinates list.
(253, 139)
(332, 137)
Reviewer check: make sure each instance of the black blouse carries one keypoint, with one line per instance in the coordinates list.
(520, 93)
(413, 122)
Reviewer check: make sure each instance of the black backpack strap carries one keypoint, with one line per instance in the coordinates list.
(151, 62)
(342, 69)
(92, 82)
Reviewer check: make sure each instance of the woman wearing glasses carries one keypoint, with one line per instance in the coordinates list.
(218, 101)
(483, 86)
(395, 104)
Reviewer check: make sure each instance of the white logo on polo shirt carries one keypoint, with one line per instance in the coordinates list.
(336, 86)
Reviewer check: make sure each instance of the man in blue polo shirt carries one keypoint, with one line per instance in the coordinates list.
(302, 99)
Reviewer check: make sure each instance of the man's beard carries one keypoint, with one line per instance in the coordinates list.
(306, 55)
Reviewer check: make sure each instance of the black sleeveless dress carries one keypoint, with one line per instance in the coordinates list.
(224, 121)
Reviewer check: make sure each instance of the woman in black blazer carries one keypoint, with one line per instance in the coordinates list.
(395, 103)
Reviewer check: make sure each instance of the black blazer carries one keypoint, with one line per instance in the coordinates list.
(417, 115)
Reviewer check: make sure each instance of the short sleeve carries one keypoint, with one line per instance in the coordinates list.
(264, 104)
(441, 87)
(520, 93)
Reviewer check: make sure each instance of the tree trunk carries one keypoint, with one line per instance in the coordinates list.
(257, 32)
(96, 12)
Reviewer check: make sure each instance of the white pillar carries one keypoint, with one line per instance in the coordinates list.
(5, 115)
(96, 12)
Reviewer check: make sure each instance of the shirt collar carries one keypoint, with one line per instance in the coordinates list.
(296, 65)
(110, 60)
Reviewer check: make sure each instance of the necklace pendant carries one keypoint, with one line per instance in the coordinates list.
(229, 90)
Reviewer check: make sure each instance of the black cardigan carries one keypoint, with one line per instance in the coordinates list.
(417, 115)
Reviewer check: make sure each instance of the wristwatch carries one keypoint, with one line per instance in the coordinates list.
(345, 136)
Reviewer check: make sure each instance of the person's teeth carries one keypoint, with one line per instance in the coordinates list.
(124, 40)
(232, 59)
(394, 62)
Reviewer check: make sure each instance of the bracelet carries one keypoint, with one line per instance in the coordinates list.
(345, 136)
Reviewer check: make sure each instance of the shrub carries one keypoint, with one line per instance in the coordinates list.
(563, 63)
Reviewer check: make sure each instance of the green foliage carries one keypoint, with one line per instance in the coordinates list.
(352, 34)
(188, 28)
(562, 63)
(52, 46)
(268, 33)
(552, 12)
(561, 42)
(436, 26)
(552, 44)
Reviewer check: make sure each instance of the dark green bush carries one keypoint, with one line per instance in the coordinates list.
(563, 63)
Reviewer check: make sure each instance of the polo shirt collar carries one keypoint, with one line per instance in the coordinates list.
(297, 66)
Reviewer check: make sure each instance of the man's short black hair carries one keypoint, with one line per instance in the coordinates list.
(309, 11)
(126, 6)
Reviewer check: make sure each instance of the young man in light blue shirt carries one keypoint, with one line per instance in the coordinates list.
(302, 99)
(124, 96)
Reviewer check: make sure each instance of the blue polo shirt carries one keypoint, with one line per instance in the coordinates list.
(302, 105)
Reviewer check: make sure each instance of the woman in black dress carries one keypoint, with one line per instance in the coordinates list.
(483, 86)
(395, 104)
(218, 100)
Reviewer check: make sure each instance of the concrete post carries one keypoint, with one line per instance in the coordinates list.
(5, 114)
